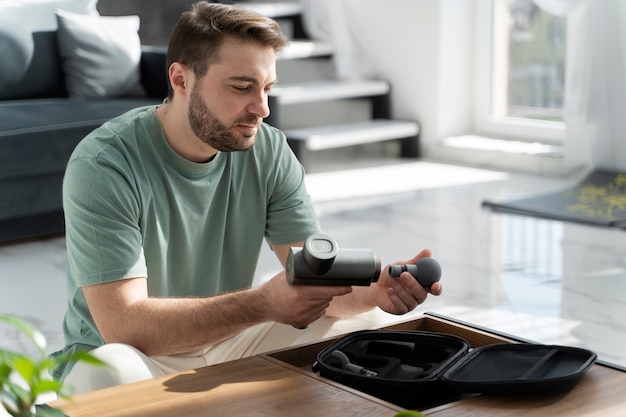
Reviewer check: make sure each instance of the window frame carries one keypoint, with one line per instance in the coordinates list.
(485, 122)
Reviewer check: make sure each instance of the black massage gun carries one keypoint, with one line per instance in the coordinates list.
(321, 262)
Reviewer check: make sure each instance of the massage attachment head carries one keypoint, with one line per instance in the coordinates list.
(426, 271)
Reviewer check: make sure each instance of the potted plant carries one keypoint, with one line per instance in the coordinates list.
(24, 378)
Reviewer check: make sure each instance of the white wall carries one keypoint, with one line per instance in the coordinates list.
(424, 48)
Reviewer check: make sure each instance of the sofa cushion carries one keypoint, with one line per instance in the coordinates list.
(30, 196)
(100, 55)
(28, 37)
(38, 136)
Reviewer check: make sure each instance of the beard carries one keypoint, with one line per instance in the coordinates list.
(210, 130)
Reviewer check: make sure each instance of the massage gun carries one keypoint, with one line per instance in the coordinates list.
(321, 262)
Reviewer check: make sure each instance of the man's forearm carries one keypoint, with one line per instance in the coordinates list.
(166, 326)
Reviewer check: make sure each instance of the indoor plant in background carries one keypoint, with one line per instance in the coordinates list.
(24, 378)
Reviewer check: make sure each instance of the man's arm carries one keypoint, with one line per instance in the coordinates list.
(124, 313)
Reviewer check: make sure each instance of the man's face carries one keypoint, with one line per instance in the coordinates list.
(229, 103)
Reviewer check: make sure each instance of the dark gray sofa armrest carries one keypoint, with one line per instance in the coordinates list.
(154, 71)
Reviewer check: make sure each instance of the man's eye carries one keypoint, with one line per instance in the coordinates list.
(240, 88)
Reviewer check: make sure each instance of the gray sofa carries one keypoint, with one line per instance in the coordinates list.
(42, 120)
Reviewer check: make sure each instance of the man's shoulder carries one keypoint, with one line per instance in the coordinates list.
(114, 135)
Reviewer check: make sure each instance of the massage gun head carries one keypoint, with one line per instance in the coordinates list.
(426, 271)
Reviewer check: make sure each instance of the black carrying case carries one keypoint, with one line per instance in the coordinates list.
(418, 369)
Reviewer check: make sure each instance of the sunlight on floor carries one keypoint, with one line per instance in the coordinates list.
(390, 179)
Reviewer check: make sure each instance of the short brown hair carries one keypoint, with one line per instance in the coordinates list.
(199, 33)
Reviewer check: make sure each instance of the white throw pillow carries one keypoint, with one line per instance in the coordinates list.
(100, 55)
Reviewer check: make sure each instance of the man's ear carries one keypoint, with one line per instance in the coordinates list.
(179, 76)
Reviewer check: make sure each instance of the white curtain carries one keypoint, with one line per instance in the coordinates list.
(595, 91)
(326, 20)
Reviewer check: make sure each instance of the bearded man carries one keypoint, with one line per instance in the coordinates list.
(167, 208)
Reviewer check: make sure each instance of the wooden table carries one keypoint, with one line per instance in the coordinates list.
(281, 383)
(252, 386)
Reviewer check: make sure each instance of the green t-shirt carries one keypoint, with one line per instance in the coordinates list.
(134, 207)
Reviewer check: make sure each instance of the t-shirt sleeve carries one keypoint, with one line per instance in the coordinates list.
(291, 216)
(102, 233)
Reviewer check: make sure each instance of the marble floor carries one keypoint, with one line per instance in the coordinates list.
(541, 280)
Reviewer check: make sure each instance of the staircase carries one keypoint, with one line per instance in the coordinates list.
(319, 112)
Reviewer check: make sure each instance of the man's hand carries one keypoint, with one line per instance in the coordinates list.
(402, 294)
(298, 305)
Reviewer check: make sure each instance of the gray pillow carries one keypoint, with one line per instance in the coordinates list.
(30, 65)
(100, 55)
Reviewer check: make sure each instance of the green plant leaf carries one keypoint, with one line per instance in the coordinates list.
(25, 367)
(8, 357)
(7, 399)
(22, 395)
(5, 372)
(46, 385)
(81, 356)
(10, 408)
(19, 395)
(47, 411)
(409, 413)
(28, 329)
(46, 363)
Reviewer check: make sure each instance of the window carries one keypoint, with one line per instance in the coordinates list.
(520, 71)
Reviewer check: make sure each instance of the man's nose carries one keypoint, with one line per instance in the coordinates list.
(260, 106)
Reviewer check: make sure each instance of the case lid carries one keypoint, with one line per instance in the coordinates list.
(519, 368)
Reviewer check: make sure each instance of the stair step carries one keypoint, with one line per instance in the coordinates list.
(305, 49)
(273, 9)
(348, 134)
(327, 90)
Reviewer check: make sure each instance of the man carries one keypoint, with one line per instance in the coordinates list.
(167, 208)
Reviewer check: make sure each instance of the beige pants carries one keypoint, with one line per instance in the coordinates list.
(127, 364)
